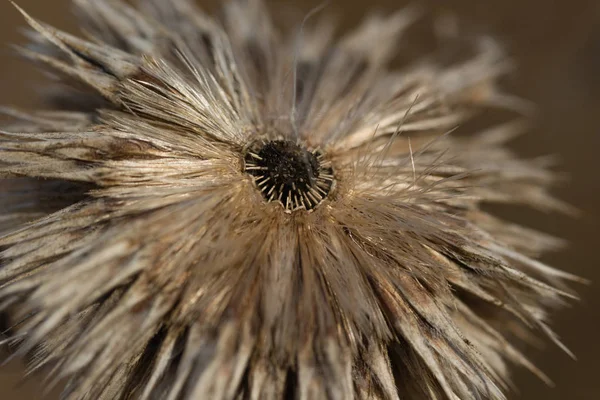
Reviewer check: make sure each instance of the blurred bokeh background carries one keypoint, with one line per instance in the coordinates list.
(556, 45)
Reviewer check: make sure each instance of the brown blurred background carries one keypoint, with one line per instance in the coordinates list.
(556, 44)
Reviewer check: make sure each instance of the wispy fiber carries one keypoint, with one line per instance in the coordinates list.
(213, 209)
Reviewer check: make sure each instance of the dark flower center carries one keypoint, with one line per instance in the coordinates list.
(288, 173)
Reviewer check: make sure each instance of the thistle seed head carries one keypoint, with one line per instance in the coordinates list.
(212, 208)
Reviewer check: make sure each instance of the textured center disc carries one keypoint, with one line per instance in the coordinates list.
(289, 173)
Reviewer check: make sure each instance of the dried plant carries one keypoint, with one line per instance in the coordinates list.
(212, 209)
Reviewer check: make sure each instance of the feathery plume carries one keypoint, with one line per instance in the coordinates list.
(215, 209)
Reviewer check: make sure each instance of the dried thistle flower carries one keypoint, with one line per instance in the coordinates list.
(215, 210)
